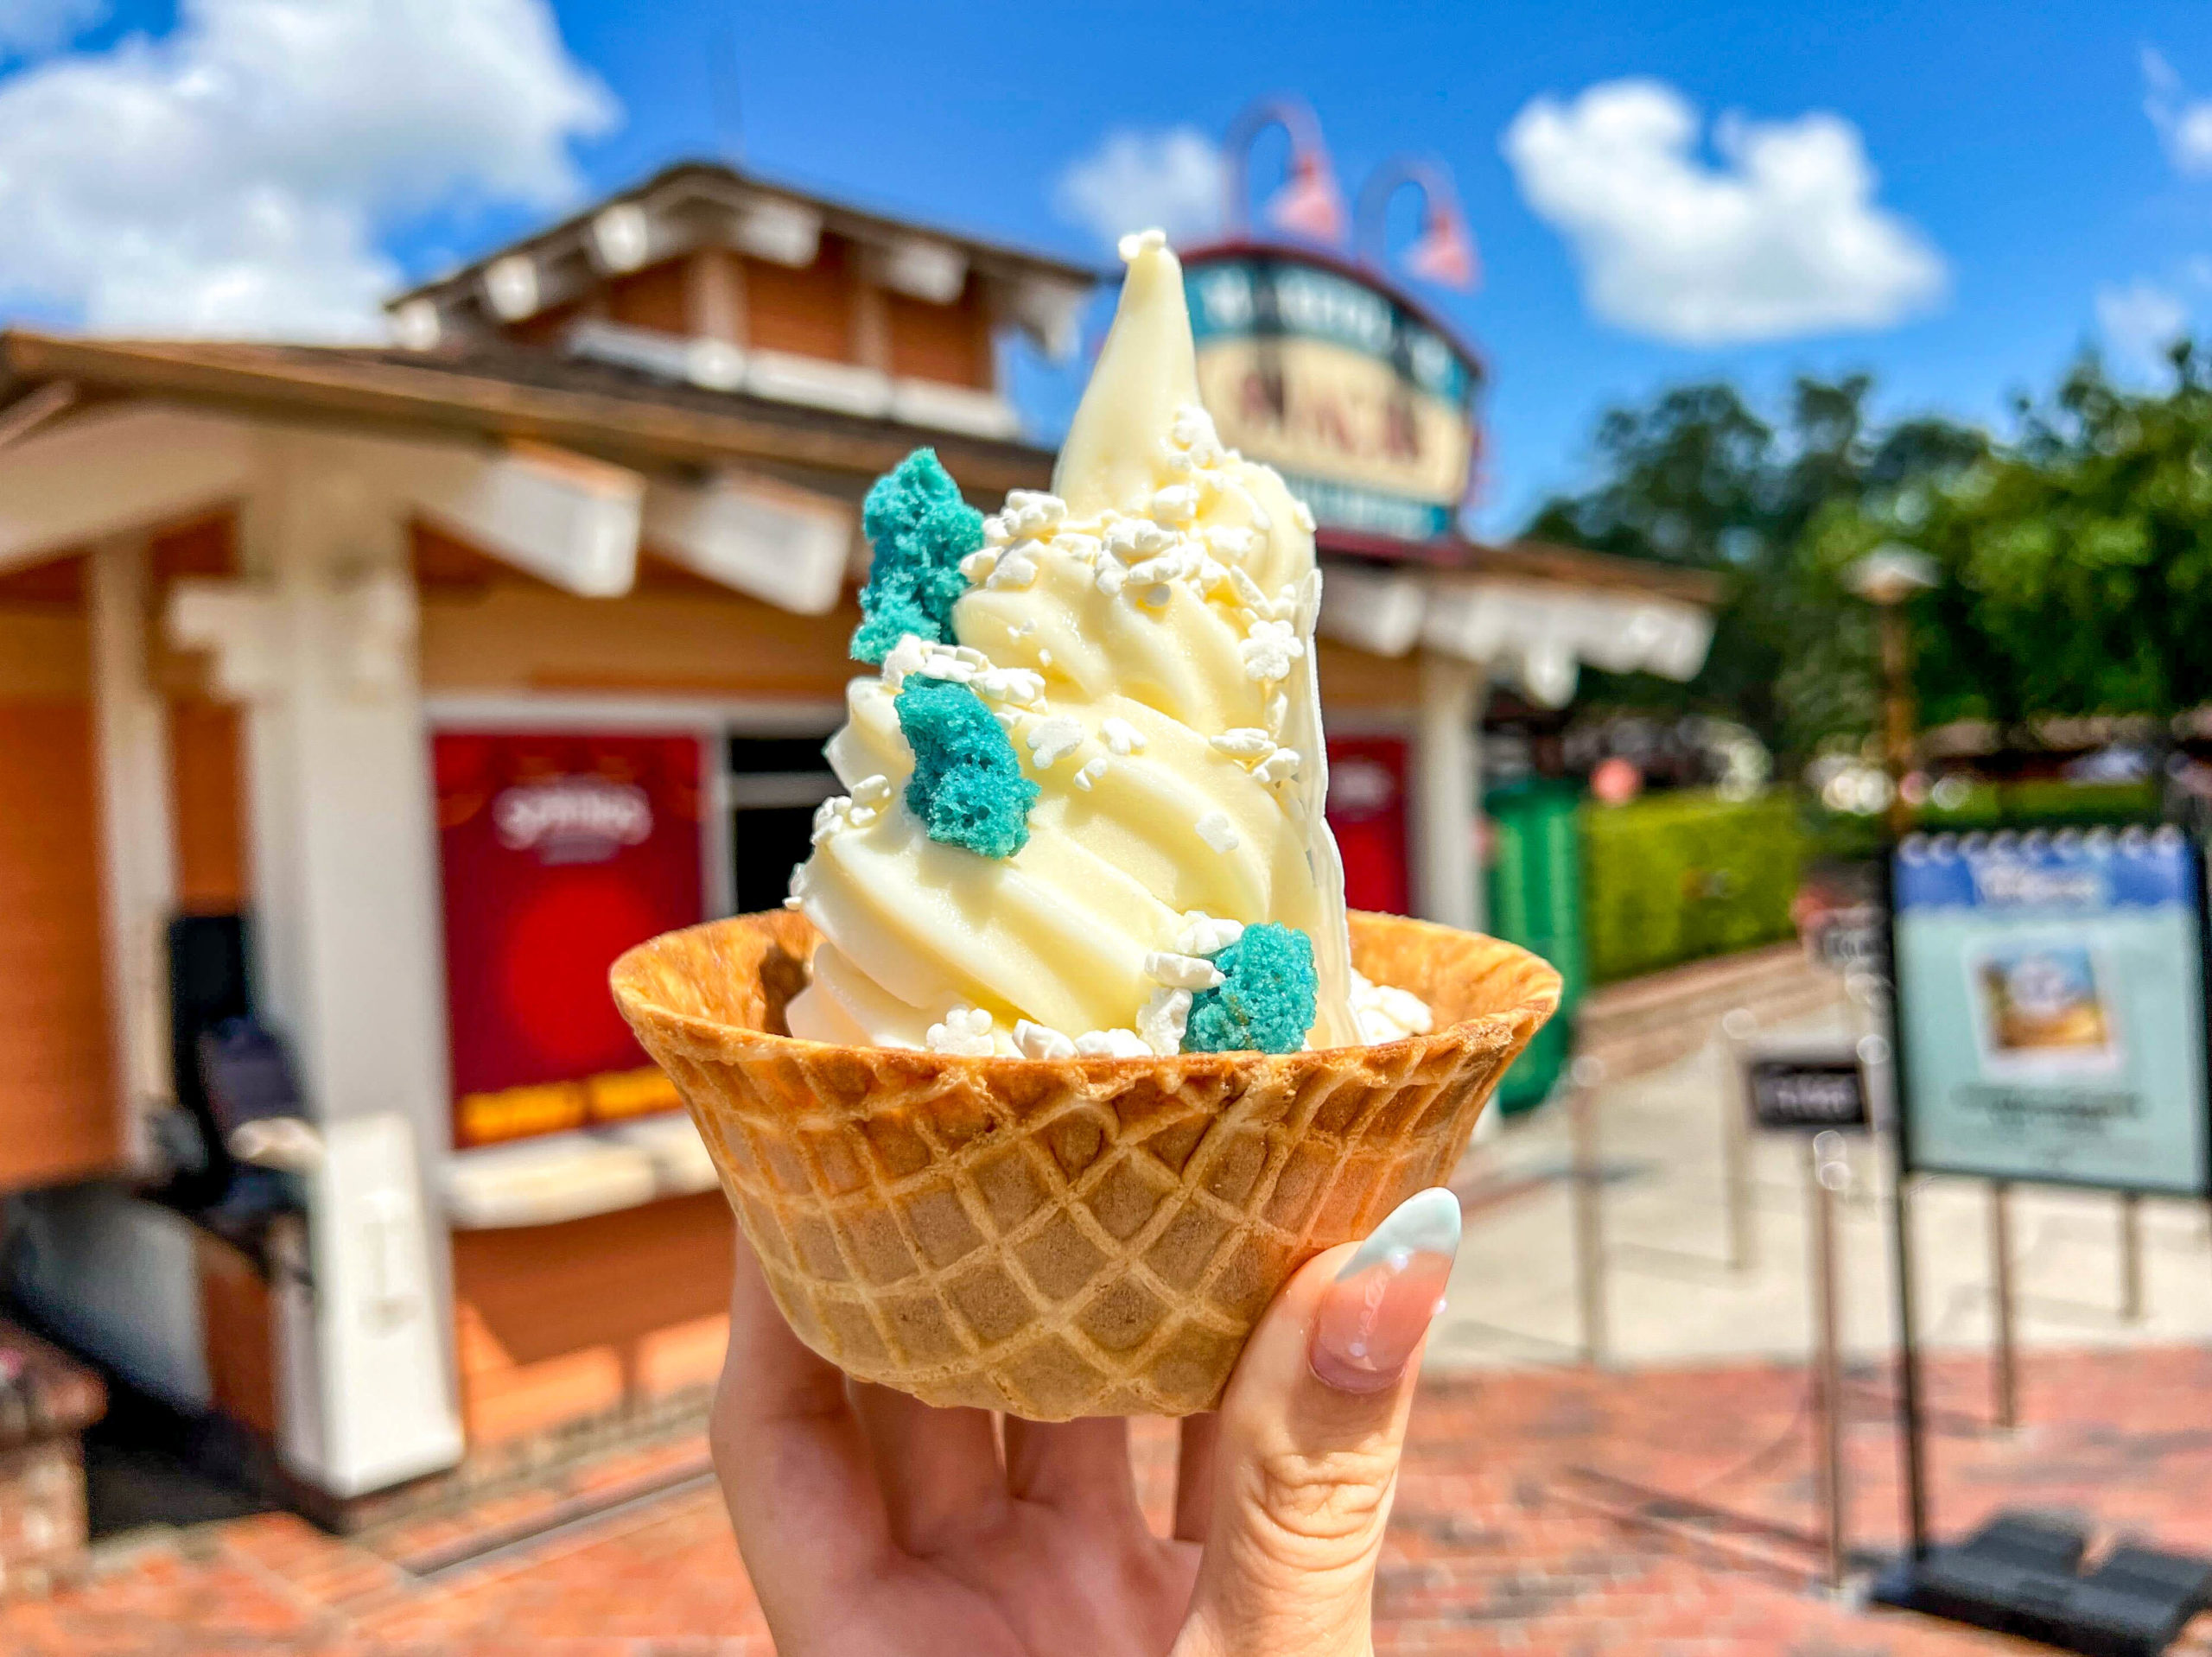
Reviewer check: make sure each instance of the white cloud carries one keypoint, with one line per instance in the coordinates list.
(2139, 322)
(231, 178)
(30, 26)
(2184, 124)
(1783, 238)
(1175, 178)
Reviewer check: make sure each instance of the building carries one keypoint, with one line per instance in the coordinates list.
(389, 692)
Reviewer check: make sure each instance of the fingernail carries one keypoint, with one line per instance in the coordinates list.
(1382, 1303)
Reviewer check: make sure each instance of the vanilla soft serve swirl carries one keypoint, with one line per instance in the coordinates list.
(1145, 634)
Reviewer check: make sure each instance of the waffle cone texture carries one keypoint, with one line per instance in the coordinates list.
(1062, 1238)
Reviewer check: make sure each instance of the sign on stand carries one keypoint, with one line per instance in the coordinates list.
(2050, 1004)
(1806, 1095)
(2049, 1025)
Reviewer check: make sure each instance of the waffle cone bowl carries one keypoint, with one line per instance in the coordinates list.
(1062, 1238)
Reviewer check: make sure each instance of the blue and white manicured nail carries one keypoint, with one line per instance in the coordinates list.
(1381, 1304)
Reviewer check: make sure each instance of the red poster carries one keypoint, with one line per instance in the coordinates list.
(1367, 813)
(558, 852)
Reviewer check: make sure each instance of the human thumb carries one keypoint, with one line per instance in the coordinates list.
(1311, 1431)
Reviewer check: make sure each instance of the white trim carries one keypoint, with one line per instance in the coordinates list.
(1371, 721)
(1447, 781)
(564, 518)
(936, 406)
(111, 471)
(787, 545)
(920, 267)
(718, 841)
(138, 840)
(569, 1176)
(785, 377)
(782, 232)
(731, 716)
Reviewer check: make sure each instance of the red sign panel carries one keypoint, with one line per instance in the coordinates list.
(558, 852)
(1367, 813)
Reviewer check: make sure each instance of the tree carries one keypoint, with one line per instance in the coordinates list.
(1698, 479)
(2077, 561)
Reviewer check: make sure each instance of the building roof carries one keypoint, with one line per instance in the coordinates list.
(1534, 560)
(489, 388)
(695, 204)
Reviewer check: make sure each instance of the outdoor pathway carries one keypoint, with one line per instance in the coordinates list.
(1514, 1531)
(1661, 1505)
(1673, 1297)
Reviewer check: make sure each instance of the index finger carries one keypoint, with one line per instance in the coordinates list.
(795, 1470)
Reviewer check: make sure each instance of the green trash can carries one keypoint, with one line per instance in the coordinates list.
(1536, 901)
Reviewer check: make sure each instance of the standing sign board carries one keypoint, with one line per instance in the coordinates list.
(557, 851)
(2050, 1006)
(1365, 403)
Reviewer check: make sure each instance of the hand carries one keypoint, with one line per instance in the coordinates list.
(873, 1526)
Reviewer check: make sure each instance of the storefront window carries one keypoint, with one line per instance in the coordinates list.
(773, 786)
(558, 851)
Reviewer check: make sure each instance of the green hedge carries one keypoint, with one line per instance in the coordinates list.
(1679, 877)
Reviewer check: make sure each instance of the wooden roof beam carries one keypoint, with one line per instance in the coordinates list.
(111, 471)
(552, 513)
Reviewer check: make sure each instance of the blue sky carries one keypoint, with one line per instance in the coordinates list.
(1990, 194)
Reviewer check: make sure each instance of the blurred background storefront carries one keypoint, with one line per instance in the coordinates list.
(360, 705)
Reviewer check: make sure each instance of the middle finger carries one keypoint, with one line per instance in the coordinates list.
(938, 1469)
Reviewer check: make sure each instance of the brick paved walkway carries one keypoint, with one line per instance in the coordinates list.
(1508, 1534)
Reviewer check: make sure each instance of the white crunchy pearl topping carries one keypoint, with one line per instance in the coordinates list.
(1278, 767)
(1206, 935)
(1244, 742)
(1041, 1041)
(966, 1029)
(1114, 1044)
(1014, 570)
(838, 813)
(1176, 503)
(1162, 1020)
(1215, 829)
(1089, 773)
(1053, 739)
(1230, 543)
(1121, 737)
(1027, 511)
(1269, 651)
(871, 791)
(1011, 684)
(1181, 971)
(913, 655)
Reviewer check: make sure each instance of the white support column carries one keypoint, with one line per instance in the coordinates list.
(138, 849)
(319, 640)
(1447, 787)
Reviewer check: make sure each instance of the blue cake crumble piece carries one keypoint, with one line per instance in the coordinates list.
(1265, 1002)
(966, 788)
(920, 529)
